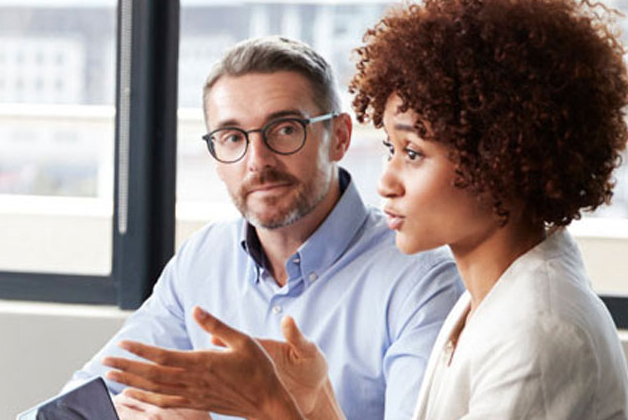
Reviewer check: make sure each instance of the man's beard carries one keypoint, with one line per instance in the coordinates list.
(308, 196)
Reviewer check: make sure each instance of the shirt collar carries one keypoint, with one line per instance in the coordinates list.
(328, 242)
(251, 244)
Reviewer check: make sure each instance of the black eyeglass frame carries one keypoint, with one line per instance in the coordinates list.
(303, 121)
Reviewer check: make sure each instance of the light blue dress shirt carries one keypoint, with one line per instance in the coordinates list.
(373, 311)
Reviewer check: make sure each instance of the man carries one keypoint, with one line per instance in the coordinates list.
(306, 246)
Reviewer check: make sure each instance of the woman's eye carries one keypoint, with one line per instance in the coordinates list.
(388, 145)
(413, 154)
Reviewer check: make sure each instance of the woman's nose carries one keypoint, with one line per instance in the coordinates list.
(389, 184)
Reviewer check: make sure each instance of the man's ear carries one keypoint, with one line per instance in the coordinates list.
(340, 136)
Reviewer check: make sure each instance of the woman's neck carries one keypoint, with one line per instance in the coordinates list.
(482, 262)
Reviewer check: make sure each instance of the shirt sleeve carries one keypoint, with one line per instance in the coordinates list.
(160, 321)
(414, 329)
(547, 371)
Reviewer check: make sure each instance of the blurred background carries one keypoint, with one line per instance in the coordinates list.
(57, 149)
(57, 91)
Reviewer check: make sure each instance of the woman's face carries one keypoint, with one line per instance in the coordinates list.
(422, 205)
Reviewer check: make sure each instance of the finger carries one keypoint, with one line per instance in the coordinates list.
(136, 381)
(125, 412)
(122, 400)
(160, 400)
(158, 355)
(293, 335)
(149, 371)
(229, 336)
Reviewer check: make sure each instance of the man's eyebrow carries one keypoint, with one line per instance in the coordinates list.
(273, 116)
(285, 113)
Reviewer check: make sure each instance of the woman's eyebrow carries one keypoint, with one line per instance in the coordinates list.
(405, 127)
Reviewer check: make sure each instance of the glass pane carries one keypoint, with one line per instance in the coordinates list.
(57, 88)
(334, 30)
(207, 30)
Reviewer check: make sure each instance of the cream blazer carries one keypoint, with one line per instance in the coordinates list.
(541, 345)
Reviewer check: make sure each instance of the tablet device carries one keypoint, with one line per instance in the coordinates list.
(90, 401)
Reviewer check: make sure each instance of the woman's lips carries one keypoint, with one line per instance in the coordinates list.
(394, 220)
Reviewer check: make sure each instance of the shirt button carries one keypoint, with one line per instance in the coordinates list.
(296, 260)
(277, 309)
(313, 276)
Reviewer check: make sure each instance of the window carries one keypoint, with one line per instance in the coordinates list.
(57, 136)
(78, 215)
(208, 29)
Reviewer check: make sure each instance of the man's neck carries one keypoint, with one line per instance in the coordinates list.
(281, 243)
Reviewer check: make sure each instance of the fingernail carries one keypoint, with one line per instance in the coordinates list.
(201, 313)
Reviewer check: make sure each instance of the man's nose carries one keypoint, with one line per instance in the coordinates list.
(258, 155)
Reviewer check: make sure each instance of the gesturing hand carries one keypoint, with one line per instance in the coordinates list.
(240, 380)
(301, 366)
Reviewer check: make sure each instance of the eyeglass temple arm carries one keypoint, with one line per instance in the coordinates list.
(324, 117)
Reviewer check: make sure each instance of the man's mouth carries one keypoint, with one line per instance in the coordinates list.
(268, 188)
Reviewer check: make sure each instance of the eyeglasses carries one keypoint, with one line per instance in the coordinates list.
(283, 136)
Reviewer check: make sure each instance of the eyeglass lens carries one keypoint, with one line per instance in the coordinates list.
(282, 136)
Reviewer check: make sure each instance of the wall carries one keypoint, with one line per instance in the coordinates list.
(43, 344)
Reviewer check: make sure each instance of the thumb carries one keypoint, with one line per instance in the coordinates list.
(294, 336)
(220, 331)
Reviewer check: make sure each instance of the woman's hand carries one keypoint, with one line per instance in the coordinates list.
(239, 381)
(300, 364)
(303, 370)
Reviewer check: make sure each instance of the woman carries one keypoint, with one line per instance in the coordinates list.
(504, 120)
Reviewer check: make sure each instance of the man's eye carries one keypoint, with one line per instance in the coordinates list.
(234, 138)
(286, 130)
(230, 137)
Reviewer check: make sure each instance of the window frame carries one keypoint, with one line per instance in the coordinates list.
(145, 169)
(618, 307)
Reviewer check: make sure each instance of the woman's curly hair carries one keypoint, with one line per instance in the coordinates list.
(528, 95)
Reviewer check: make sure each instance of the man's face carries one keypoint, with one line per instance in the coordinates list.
(271, 190)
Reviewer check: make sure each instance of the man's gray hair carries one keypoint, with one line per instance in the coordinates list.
(272, 54)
